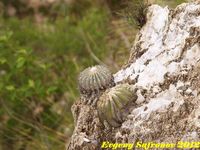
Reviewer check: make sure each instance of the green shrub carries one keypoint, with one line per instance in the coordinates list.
(25, 83)
(38, 68)
(136, 12)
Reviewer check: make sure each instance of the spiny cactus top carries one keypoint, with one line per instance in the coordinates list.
(94, 79)
(112, 104)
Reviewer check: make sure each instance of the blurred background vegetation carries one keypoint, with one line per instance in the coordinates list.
(44, 44)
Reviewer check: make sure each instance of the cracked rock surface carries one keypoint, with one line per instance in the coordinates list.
(164, 65)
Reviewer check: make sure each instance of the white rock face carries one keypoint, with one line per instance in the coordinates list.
(165, 68)
(165, 39)
(170, 46)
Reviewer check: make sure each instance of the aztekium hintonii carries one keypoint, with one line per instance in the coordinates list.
(93, 81)
(113, 105)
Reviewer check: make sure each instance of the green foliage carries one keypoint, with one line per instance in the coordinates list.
(38, 65)
(25, 84)
(170, 3)
(136, 12)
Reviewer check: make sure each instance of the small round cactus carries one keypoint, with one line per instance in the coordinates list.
(94, 79)
(112, 105)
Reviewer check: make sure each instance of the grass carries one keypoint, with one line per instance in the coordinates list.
(40, 66)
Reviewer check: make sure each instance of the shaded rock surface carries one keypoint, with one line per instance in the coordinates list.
(164, 65)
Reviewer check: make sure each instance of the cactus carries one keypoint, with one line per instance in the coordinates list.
(112, 104)
(94, 79)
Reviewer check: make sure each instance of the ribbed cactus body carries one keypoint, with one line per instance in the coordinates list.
(112, 104)
(94, 79)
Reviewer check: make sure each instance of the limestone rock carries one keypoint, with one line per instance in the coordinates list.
(165, 66)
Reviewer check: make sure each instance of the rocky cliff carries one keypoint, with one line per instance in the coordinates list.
(164, 66)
